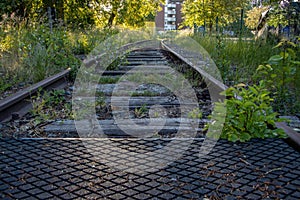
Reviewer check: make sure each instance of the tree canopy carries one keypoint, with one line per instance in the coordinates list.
(126, 12)
(199, 12)
(105, 13)
(275, 14)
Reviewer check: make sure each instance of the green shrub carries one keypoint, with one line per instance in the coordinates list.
(249, 114)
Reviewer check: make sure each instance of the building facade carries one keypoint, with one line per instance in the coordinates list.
(170, 17)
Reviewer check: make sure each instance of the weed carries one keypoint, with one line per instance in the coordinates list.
(117, 63)
(236, 60)
(280, 73)
(141, 112)
(108, 80)
(32, 52)
(51, 105)
(145, 93)
(249, 114)
(195, 114)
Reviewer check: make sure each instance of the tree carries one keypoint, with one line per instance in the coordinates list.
(277, 14)
(200, 12)
(126, 12)
(17, 7)
(105, 13)
(254, 16)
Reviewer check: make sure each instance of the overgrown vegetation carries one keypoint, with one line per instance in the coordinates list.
(264, 79)
(51, 105)
(30, 53)
(40, 38)
(250, 114)
(282, 74)
(237, 60)
(210, 13)
(263, 73)
(248, 62)
(141, 112)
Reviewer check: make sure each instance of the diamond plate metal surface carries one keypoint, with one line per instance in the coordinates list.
(65, 169)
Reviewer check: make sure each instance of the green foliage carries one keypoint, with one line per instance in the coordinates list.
(281, 73)
(84, 13)
(202, 12)
(222, 62)
(51, 105)
(36, 53)
(195, 114)
(17, 8)
(6, 82)
(108, 80)
(236, 60)
(141, 112)
(280, 14)
(144, 93)
(32, 53)
(128, 13)
(249, 114)
(253, 16)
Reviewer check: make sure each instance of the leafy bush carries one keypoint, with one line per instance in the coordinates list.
(249, 114)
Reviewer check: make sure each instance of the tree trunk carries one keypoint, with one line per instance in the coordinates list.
(210, 27)
(111, 19)
(59, 5)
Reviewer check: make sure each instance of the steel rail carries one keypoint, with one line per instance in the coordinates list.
(20, 102)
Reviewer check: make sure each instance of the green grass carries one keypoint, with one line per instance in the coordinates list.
(108, 80)
(237, 59)
(145, 93)
(30, 52)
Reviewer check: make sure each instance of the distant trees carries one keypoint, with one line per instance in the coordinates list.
(275, 13)
(126, 12)
(18, 7)
(105, 13)
(210, 12)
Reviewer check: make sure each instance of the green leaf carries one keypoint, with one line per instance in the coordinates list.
(249, 104)
(284, 55)
(295, 62)
(278, 45)
(291, 44)
(245, 136)
(275, 59)
(253, 90)
(273, 75)
(233, 137)
(260, 67)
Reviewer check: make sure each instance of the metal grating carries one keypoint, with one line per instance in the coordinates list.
(65, 169)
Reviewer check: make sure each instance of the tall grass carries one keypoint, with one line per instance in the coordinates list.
(236, 59)
(30, 52)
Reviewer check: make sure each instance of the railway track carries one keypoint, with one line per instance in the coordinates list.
(154, 109)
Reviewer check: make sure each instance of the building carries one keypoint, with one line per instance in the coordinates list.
(170, 17)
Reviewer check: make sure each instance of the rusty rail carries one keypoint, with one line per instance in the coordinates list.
(20, 101)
